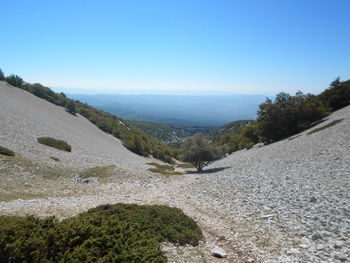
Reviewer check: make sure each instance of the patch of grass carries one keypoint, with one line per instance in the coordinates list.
(153, 163)
(164, 171)
(185, 165)
(98, 172)
(58, 144)
(55, 159)
(109, 233)
(325, 126)
(162, 166)
(5, 197)
(6, 151)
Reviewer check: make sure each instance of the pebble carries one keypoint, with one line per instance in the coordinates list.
(341, 256)
(219, 253)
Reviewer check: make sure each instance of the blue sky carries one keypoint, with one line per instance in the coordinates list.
(251, 47)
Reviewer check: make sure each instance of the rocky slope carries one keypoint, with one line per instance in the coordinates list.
(25, 117)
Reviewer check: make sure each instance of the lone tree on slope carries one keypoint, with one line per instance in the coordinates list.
(198, 151)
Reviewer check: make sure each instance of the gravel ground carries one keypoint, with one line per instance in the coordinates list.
(284, 202)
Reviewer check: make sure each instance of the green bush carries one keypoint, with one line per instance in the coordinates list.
(58, 144)
(6, 151)
(108, 233)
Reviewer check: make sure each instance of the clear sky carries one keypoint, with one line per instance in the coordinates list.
(246, 46)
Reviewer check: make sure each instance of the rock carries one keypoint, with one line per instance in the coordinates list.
(305, 246)
(316, 236)
(337, 244)
(219, 253)
(293, 251)
(90, 180)
(313, 199)
(340, 256)
(267, 216)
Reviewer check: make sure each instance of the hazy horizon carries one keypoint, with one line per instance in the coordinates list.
(189, 110)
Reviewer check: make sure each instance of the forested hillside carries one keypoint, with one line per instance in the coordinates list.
(282, 117)
(171, 134)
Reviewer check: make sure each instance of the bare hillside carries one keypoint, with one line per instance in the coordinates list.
(25, 117)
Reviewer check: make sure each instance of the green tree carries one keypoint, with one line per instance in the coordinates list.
(337, 95)
(15, 81)
(198, 151)
(2, 76)
(288, 115)
(71, 107)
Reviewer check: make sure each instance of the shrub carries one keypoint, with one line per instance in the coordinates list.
(108, 233)
(58, 144)
(6, 151)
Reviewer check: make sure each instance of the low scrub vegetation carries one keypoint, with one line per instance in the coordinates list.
(133, 138)
(58, 144)
(100, 172)
(5, 151)
(54, 158)
(108, 233)
(163, 169)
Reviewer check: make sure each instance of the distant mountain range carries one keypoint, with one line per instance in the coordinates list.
(205, 110)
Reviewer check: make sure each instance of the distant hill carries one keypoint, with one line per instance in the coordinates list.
(187, 110)
(171, 134)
